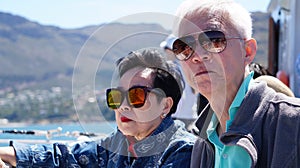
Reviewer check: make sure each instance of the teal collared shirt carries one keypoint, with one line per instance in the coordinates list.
(230, 156)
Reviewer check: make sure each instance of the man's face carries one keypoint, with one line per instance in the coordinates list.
(213, 74)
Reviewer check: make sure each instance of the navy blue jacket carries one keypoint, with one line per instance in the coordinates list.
(170, 145)
(267, 126)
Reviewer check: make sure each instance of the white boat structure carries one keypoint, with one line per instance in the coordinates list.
(284, 40)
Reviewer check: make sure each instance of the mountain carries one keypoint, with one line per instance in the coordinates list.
(38, 56)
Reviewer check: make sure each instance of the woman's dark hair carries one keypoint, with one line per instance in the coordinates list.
(167, 75)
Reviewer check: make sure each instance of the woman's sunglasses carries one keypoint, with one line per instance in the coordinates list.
(136, 96)
(211, 41)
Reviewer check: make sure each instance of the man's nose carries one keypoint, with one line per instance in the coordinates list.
(200, 55)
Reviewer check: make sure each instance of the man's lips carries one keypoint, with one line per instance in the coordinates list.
(125, 119)
(201, 73)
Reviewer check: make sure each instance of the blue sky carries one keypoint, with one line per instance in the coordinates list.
(79, 13)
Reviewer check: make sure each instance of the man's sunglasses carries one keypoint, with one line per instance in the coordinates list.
(136, 96)
(211, 41)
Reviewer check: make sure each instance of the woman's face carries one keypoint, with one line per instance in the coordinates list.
(142, 121)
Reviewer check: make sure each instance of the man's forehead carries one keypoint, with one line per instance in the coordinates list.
(198, 24)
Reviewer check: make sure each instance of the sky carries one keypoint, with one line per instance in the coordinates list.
(79, 13)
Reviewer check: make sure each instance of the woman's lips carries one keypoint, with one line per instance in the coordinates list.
(125, 119)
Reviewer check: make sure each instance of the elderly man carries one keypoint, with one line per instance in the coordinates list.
(252, 125)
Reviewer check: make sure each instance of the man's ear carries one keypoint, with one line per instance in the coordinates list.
(250, 48)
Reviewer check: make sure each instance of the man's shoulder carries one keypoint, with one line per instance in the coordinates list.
(260, 94)
(276, 101)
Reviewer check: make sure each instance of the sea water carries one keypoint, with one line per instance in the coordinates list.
(60, 131)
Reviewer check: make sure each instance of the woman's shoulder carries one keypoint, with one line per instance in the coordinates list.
(181, 134)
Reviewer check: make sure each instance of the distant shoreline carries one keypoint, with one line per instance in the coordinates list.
(15, 124)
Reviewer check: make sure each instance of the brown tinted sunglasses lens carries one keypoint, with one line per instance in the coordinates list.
(137, 97)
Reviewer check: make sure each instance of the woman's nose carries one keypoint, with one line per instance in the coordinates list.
(124, 105)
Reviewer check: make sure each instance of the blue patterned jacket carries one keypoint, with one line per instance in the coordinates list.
(170, 145)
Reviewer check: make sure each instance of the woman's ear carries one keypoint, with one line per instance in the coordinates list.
(250, 48)
(167, 104)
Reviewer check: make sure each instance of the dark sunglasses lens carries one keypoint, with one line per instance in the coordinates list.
(213, 41)
(113, 98)
(137, 97)
(183, 47)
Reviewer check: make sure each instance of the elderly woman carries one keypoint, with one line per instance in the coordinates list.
(148, 91)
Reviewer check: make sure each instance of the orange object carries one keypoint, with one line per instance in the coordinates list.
(283, 77)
